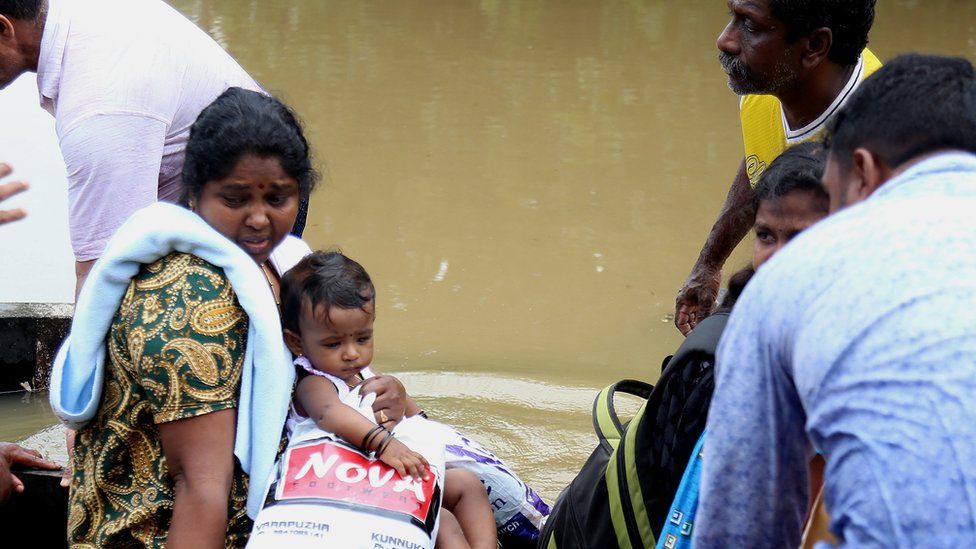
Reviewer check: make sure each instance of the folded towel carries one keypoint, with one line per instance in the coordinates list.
(267, 375)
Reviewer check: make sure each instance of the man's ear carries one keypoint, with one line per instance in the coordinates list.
(9, 37)
(818, 43)
(5, 28)
(871, 173)
(294, 342)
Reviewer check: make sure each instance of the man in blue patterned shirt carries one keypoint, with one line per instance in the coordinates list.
(859, 338)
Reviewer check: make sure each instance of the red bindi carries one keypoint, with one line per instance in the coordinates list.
(261, 186)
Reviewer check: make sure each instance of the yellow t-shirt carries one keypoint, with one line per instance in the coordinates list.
(764, 130)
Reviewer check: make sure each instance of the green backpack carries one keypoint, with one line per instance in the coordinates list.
(623, 493)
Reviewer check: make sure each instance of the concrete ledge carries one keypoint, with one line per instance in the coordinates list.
(49, 442)
(30, 334)
(36, 310)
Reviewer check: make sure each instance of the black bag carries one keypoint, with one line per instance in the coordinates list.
(622, 495)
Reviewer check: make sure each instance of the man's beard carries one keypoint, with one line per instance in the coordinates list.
(740, 77)
(743, 82)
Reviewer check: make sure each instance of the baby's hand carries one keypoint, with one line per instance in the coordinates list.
(406, 462)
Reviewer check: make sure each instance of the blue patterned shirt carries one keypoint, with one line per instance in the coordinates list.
(859, 339)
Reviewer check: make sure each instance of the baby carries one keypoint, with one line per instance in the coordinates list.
(328, 309)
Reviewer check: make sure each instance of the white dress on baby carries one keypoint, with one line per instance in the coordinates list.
(519, 511)
(295, 418)
(337, 496)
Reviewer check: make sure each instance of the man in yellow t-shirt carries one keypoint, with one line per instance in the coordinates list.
(794, 62)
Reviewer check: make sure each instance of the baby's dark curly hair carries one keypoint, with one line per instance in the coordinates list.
(324, 280)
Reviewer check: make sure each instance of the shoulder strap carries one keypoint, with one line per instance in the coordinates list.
(605, 421)
(611, 431)
(631, 520)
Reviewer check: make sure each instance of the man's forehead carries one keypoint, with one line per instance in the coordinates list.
(761, 7)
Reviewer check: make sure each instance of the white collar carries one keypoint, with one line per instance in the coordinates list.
(288, 253)
(802, 134)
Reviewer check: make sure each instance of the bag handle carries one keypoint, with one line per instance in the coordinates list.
(605, 421)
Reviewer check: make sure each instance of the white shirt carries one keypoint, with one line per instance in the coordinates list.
(125, 80)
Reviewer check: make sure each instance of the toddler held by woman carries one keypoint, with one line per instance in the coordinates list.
(328, 309)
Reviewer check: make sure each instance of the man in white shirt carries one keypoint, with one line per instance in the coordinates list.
(124, 79)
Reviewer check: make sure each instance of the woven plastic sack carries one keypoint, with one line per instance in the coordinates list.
(519, 511)
(327, 493)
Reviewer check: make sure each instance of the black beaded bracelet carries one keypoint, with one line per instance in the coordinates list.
(370, 436)
(379, 439)
(381, 447)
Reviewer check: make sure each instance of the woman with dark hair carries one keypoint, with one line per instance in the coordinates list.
(175, 374)
(789, 199)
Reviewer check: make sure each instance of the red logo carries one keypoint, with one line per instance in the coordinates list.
(328, 471)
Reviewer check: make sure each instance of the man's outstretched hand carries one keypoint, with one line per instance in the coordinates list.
(6, 191)
(696, 298)
(13, 454)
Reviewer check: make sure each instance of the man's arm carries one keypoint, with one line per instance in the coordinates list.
(82, 268)
(697, 296)
(113, 170)
(754, 477)
(12, 455)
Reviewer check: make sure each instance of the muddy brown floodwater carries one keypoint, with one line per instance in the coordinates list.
(528, 183)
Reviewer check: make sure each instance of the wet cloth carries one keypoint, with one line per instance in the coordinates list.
(125, 80)
(859, 338)
(176, 349)
(267, 375)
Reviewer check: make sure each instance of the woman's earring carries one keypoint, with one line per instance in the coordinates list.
(192, 205)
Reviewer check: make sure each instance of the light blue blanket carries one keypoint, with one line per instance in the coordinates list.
(267, 375)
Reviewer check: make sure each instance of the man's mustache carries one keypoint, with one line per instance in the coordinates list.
(733, 67)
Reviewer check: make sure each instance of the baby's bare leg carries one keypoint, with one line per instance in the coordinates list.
(465, 497)
(449, 535)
